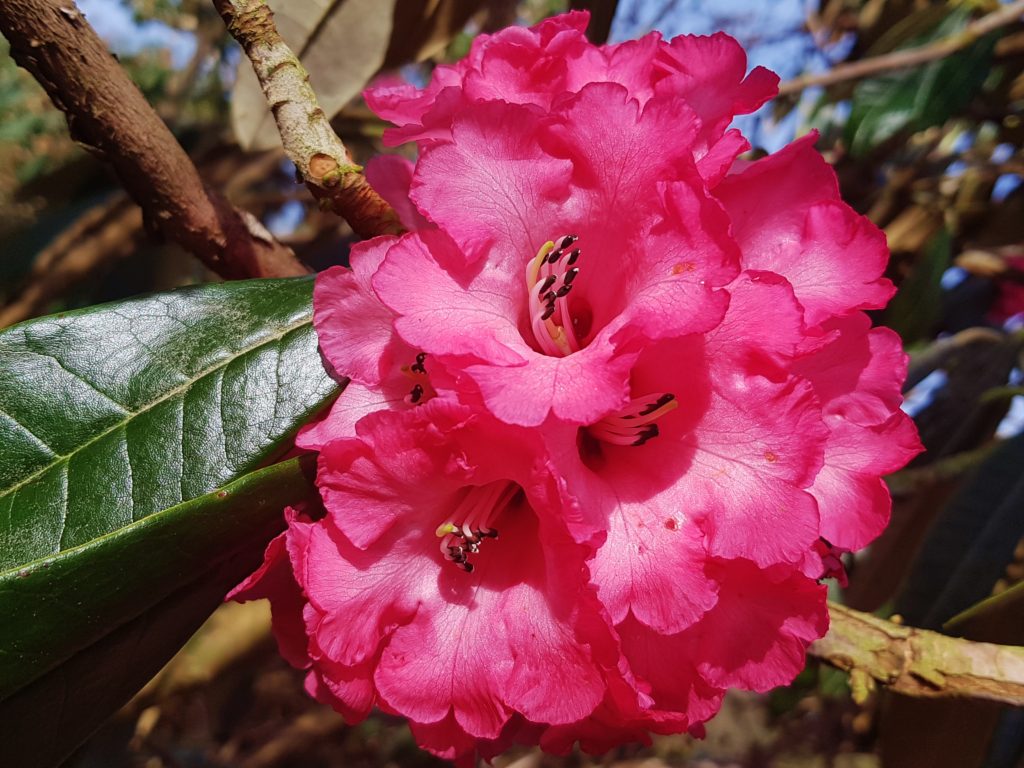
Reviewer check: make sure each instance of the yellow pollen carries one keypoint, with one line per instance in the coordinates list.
(683, 266)
(770, 457)
(444, 529)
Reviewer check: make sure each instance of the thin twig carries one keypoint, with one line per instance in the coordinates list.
(320, 157)
(910, 57)
(107, 113)
(916, 662)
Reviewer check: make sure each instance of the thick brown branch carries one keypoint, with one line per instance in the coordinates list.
(920, 663)
(321, 158)
(108, 113)
(910, 57)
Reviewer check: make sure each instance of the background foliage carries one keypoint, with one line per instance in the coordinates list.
(931, 153)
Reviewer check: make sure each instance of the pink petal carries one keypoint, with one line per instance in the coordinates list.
(275, 582)
(756, 447)
(669, 665)
(501, 643)
(354, 328)
(651, 560)
(472, 312)
(853, 500)
(579, 388)
(833, 258)
(710, 72)
(342, 581)
(671, 284)
(757, 635)
(348, 691)
(739, 345)
(391, 176)
(491, 188)
(354, 402)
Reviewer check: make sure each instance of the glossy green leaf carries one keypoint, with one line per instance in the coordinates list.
(117, 608)
(112, 414)
(915, 98)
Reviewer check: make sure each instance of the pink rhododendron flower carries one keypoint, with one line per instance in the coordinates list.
(641, 360)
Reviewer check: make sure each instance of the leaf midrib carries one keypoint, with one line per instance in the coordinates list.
(131, 415)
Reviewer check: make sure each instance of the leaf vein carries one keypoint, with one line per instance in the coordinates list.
(174, 392)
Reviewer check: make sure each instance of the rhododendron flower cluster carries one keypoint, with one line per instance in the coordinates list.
(614, 405)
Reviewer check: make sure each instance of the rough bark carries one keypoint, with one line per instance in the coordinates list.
(320, 157)
(919, 663)
(109, 115)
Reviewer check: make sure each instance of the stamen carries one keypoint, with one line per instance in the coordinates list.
(481, 505)
(417, 372)
(549, 279)
(634, 424)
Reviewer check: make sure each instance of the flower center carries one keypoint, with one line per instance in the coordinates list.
(634, 424)
(549, 278)
(471, 522)
(421, 389)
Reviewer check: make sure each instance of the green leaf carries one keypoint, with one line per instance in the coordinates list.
(115, 609)
(112, 414)
(919, 97)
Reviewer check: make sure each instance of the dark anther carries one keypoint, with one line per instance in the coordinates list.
(570, 276)
(417, 367)
(665, 399)
(554, 256)
(490, 533)
(651, 430)
(548, 282)
(416, 394)
(572, 257)
(467, 567)
(563, 291)
(548, 312)
(567, 241)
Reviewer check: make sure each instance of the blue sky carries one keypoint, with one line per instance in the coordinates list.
(114, 21)
(772, 32)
